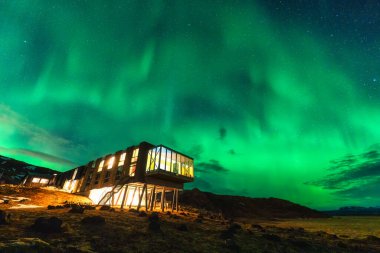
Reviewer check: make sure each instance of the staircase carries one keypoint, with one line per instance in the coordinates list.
(118, 186)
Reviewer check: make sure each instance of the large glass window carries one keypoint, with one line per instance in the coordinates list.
(101, 166)
(132, 167)
(36, 180)
(166, 159)
(135, 155)
(44, 181)
(110, 163)
(122, 159)
(132, 170)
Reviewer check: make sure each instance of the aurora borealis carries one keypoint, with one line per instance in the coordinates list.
(271, 98)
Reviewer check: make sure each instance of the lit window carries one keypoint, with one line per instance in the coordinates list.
(132, 170)
(101, 166)
(110, 162)
(44, 181)
(122, 159)
(36, 180)
(135, 155)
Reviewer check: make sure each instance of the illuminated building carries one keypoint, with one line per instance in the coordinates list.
(39, 179)
(140, 176)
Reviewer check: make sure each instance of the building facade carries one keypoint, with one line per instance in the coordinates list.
(144, 175)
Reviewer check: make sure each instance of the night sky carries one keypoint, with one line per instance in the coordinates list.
(271, 98)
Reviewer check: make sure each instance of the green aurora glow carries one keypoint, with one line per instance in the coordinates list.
(263, 95)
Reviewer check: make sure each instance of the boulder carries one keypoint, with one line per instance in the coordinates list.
(183, 227)
(272, 237)
(47, 225)
(105, 208)
(93, 220)
(4, 217)
(153, 217)
(30, 245)
(232, 245)
(76, 209)
(227, 234)
(154, 226)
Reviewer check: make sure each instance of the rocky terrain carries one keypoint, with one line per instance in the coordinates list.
(68, 227)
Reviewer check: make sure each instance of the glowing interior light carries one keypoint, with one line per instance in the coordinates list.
(36, 180)
(70, 185)
(101, 166)
(44, 181)
(122, 159)
(97, 194)
(110, 162)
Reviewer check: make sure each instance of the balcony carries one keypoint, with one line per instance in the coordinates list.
(167, 164)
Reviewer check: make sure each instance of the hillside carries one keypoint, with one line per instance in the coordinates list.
(245, 207)
(13, 171)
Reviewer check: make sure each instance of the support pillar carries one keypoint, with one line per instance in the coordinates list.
(153, 202)
(163, 200)
(146, 198)
(124, 196)
(133, 196)
(176, 201)
(173, 199)
(141, 196)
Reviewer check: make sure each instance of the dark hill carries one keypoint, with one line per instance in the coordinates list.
(245, 207)
(13, 171)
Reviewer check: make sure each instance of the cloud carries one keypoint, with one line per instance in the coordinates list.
(38, 155)
(17, 131)
(353, 176)
(212, 165)
(10, 119)
(222, 133)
